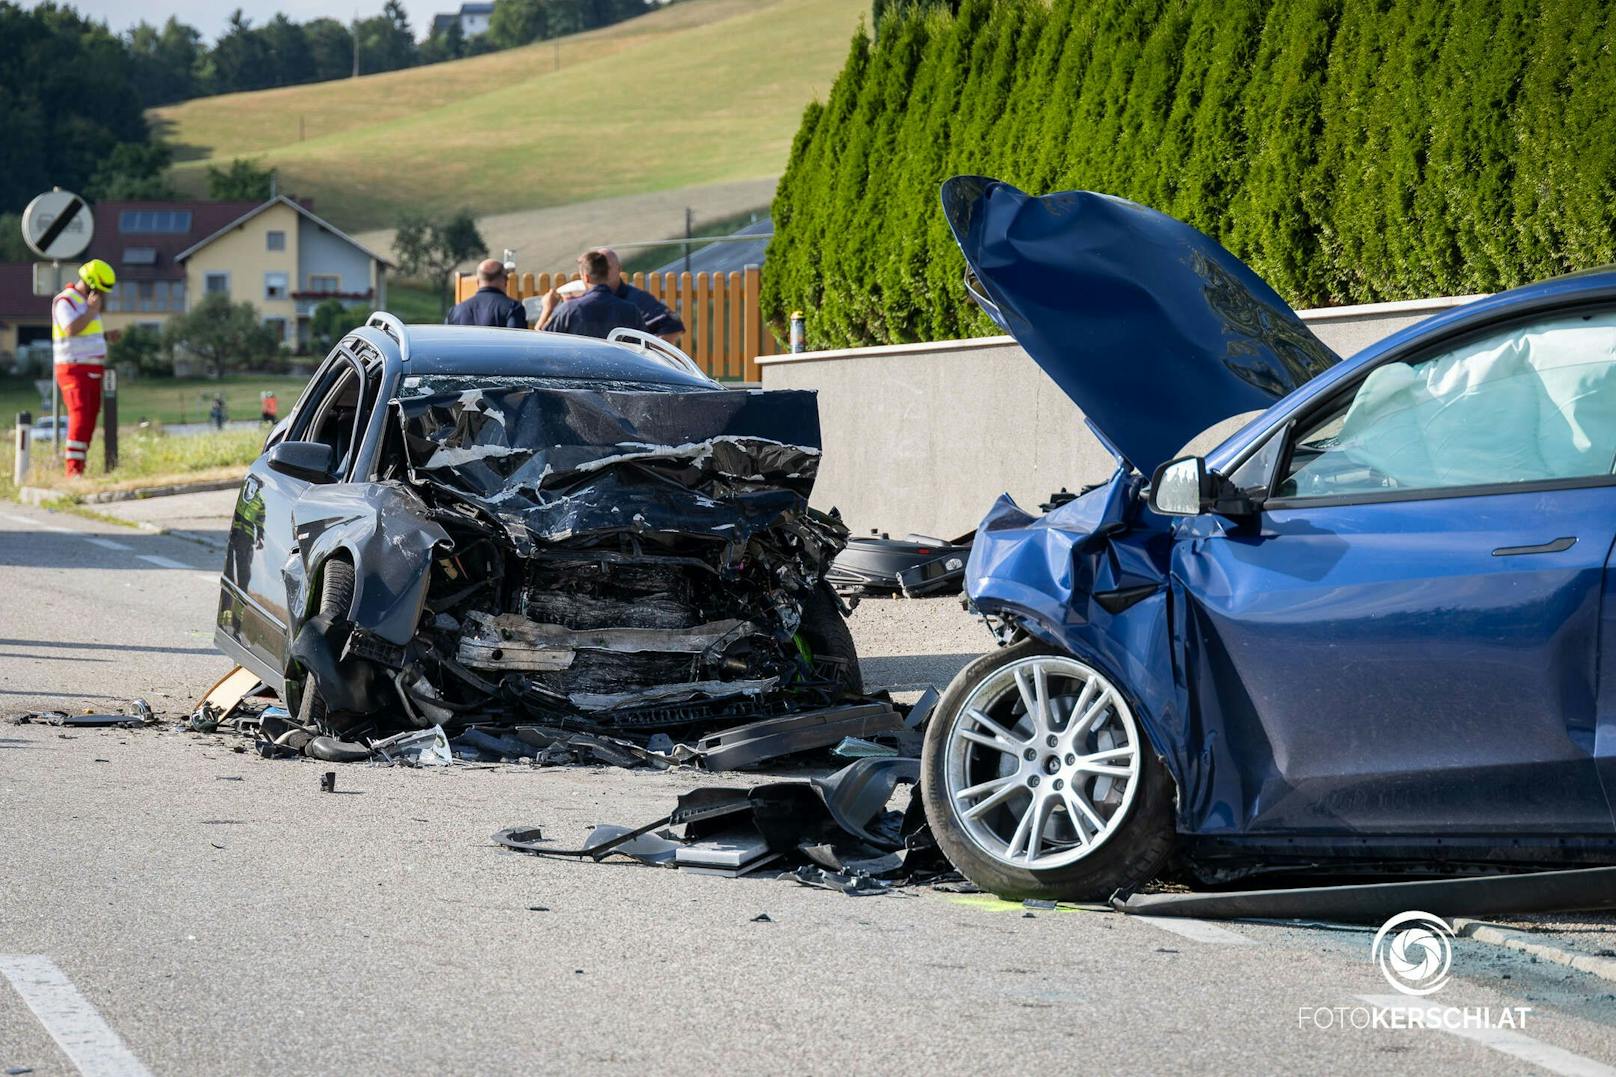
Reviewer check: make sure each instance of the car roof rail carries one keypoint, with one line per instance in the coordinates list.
(660, 349)
(393, 327)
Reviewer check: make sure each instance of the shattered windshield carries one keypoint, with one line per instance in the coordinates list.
(1528, 404)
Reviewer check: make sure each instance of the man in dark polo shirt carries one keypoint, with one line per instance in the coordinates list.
(490, 305)
(658, 319)
(595, 313)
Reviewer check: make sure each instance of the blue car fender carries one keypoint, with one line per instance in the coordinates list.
(1091, 578)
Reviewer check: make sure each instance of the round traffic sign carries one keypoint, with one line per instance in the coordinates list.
(58, 224)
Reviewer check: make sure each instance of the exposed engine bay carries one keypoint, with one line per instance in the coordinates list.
(587, 559)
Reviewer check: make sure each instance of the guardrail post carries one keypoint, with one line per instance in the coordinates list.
(109, 419)
(19, 467)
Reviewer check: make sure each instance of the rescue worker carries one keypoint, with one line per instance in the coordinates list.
(81, 355)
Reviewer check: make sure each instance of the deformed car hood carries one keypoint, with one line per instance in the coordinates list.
(1153, 329)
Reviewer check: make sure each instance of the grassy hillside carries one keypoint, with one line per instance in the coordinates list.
(701, 92)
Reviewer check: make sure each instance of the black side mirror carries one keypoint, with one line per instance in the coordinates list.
(1184, 487)
(310, 461)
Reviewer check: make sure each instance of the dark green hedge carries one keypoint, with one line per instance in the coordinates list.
(1349, 150)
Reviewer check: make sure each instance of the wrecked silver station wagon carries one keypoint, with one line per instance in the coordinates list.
(459, 526)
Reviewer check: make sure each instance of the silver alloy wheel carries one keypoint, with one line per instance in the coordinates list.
(1042, 762)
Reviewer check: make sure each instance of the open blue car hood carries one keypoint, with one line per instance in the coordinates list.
(1153, 329)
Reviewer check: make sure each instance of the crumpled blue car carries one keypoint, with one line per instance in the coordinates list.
(1373, 630)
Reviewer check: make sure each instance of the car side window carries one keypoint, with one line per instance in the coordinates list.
(1532, 403)
(336, 417)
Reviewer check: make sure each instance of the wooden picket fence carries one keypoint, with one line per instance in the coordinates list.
(724, 332)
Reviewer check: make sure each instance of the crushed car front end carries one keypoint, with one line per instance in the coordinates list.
(597, 551)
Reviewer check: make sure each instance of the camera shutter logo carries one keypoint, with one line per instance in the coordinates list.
(1414, 951)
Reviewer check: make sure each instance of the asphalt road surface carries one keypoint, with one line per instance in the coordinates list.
(168, 905)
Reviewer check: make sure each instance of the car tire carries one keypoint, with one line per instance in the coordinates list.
(336, 598)
(825, 630)
(1139, 835)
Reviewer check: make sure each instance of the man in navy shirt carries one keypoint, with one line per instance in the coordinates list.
(658, 319)
(595, 313)
(490, 305)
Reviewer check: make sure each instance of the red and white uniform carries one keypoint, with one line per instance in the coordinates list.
(80, 363)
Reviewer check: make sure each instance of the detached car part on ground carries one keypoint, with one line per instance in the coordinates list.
(915, 566)
(466, 527)
(1370, 632)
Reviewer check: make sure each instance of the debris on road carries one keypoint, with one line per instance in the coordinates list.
(143, 716)
(835, 832)
(240, 703)
(914, 567)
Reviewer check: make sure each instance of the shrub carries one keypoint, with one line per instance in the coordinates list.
(1349, 150)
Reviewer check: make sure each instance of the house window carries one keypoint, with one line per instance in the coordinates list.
(146, 291)
(325, 283)
(176, 295)
(275, 286)
(139, 256)
(276, 241)
(276, 326)
(216, 284)
(114, 300)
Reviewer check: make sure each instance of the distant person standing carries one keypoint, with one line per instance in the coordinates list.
(658, 318)
(217, 412)
(80, 355)
(490, 305)
(271, 408)
(595, 313)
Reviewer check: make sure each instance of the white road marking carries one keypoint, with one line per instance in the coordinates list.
(81, 1033)
(1506, 1041)
(161, 562)
(1196, 930)
(105, 544)
(33, 524)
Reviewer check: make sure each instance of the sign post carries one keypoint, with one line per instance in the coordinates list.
(56, 225)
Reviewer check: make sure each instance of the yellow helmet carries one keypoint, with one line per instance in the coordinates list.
(98, 275)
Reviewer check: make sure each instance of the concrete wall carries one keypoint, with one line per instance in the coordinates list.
(923, 437)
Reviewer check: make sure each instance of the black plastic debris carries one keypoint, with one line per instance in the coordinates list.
(328, 782)
(748, 745)
(834, 832)
(914, 566)
(762, 918)
(842, 882)
(1577, 890)
(332, 750)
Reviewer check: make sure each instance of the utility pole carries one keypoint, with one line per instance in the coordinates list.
(355, 36)
(689, 224)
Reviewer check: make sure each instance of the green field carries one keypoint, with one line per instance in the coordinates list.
(165, 400)
(700, 92)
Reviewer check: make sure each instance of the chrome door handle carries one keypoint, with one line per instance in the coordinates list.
(1559, 545)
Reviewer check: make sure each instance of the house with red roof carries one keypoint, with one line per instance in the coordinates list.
(277, 255)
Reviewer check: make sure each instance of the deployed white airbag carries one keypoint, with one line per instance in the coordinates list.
(1523, 405)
